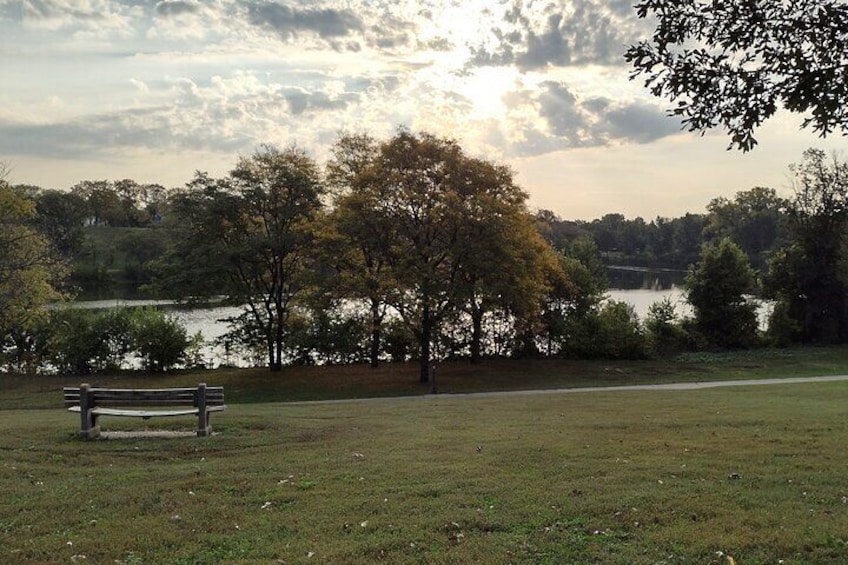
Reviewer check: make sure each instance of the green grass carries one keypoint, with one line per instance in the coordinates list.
(629, 477)
(341, 382)
(756, 473)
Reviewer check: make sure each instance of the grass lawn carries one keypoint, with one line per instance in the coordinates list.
(752, 473)
(344, 382)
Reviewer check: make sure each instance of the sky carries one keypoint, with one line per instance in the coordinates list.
(156, 90)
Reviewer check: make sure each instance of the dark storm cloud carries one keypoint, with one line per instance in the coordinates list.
(287, 21)
(563, 33)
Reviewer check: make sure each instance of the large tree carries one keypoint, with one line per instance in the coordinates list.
(249, 236)
(754, 220)
(809, 275)
(717, 287)
(733, 64)
(423, 189)
(29, 270)
(510, 266)
(433, 232)
(61, 216)
(353, 238)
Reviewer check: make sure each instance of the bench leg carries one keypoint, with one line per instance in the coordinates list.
(88, 421)
(93, 429)
(203, 427)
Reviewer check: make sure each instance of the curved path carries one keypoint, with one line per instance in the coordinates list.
(620, 388)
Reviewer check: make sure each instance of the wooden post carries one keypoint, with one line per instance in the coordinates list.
(88, 422)
(203, 427)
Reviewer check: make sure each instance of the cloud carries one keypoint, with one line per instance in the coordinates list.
(565, 120)
(560, 109)
(639, 123)
(176, 7)
(225, 113)
(227, 75)
(83, 18)
(289, 22)
(559, 34)
(301, 100)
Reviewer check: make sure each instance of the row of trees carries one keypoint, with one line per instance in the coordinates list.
(410, 248)
(756, 219)
(805, 273)
(415, 228)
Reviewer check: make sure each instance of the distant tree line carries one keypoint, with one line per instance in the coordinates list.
(407, 248)
(755, 219)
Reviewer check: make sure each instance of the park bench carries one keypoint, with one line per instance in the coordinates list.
(93, 402)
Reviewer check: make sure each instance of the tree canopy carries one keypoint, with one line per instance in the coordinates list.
(734, 64)
(809, 274)
(716, 287)
(249, 236)
(448, 214)
(30, 273)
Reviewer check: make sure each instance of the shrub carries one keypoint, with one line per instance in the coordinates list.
(620, 335)
(717, 288)
(665, 333)
(84, 341)
(157, 338)
(783, 330)
(611, 332)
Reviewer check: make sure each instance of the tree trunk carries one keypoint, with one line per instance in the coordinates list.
(275, 345)
(269, 344)
(375, 333)
(278, 342)
(426, 334)
(476, 334)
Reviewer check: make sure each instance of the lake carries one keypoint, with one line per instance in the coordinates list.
(634, 285)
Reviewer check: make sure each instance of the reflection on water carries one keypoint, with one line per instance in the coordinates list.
(629, 278)
(641, 287)
(642, 298)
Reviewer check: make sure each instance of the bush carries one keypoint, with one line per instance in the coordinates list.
(665, 332)
(620, 334)
(85, 341)
(717, 288)
(399, 342)
(327, 335)
(611, 332)
(26, 350)
(783, 330)
(157, 338)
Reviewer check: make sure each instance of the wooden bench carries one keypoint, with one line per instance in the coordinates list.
(93, 402)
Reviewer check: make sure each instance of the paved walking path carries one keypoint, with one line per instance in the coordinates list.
(622, 388)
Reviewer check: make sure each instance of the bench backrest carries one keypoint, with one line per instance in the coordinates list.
(144, 396)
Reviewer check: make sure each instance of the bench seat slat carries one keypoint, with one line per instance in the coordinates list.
(99, 411)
